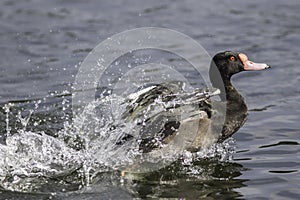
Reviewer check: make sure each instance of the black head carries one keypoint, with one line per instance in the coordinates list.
(228, 63)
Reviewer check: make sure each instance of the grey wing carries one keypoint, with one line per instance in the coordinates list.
(139, 101)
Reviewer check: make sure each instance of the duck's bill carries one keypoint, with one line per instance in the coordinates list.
(249, 65)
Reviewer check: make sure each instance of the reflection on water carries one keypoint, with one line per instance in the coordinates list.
(204, 179)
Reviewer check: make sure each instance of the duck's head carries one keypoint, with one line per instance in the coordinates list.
(229, 63)
(225, 64)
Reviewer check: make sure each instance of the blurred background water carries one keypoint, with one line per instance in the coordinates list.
(44, 42)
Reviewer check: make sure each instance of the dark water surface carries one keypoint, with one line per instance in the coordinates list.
(43, 42)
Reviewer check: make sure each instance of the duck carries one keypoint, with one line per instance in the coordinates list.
(164, 114)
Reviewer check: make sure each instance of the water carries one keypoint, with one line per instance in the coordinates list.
(42, 45)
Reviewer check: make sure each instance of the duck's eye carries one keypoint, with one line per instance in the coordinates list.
(232, 58)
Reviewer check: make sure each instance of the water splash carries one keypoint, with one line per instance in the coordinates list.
(86, 146)
(7, 110)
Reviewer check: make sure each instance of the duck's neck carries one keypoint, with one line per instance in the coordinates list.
(232, 95)
(236, 110)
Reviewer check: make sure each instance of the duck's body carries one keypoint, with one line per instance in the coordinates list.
(165, 111)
